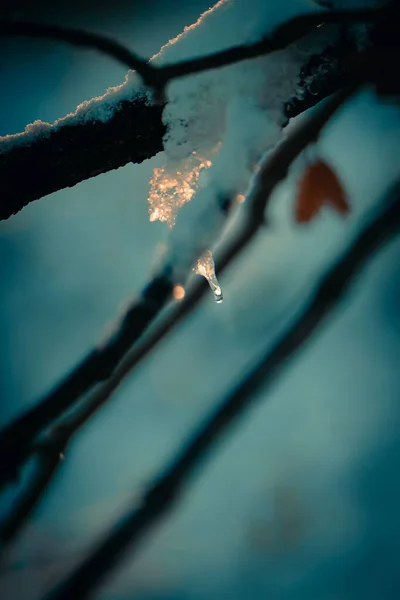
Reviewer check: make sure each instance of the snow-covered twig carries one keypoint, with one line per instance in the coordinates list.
(284, 35)
(19, 438)
(128, 532)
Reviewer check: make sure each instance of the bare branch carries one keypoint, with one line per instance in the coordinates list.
(127, 533)
(48, 459)
(16, 439)
(78, 37)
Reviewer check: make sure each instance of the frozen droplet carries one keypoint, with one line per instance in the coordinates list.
(205, 266)
(216, 289)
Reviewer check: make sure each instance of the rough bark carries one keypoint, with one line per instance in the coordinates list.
(73, 153)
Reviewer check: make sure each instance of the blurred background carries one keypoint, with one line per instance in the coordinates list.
(301, 499)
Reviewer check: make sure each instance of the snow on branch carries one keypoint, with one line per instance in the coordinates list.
(158, 77)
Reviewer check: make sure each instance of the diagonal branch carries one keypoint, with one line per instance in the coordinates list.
(78, 37)
(16, 438)
(164, 493)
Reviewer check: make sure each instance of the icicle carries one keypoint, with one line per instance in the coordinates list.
(205, 266)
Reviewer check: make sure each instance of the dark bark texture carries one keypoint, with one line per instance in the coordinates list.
(73, 153)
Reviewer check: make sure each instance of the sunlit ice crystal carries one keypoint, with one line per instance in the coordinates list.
(205, 266)
(172, 188)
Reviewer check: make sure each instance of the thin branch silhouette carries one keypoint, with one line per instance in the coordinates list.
(16, 438)
(157, 77)
(48, 458)
(78, 37)
(59, 436)
(128, 532)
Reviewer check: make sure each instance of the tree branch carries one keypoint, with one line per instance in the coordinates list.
(48, 458)
(128, 532)
(78, 37)
(157, 77)
(73, 150)
(16, 439)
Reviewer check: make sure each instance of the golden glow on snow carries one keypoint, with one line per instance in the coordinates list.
(190, 27)
(170, 191)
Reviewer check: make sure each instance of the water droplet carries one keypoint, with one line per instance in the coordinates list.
(205, 266)
(216, 289)
(62, 456)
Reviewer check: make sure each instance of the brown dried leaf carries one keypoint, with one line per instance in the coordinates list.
(319, 185)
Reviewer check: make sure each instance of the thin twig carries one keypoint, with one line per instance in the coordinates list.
(158, 77)
(164, 493)
(49, 456)
(273, 171)
(16, 438)
(78, 37)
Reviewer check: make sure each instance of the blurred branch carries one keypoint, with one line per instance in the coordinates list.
(16, 438)
(163, 494)
(78, 37)
(158, 77)
(48, 458)
(71, 152)
(16, 442)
